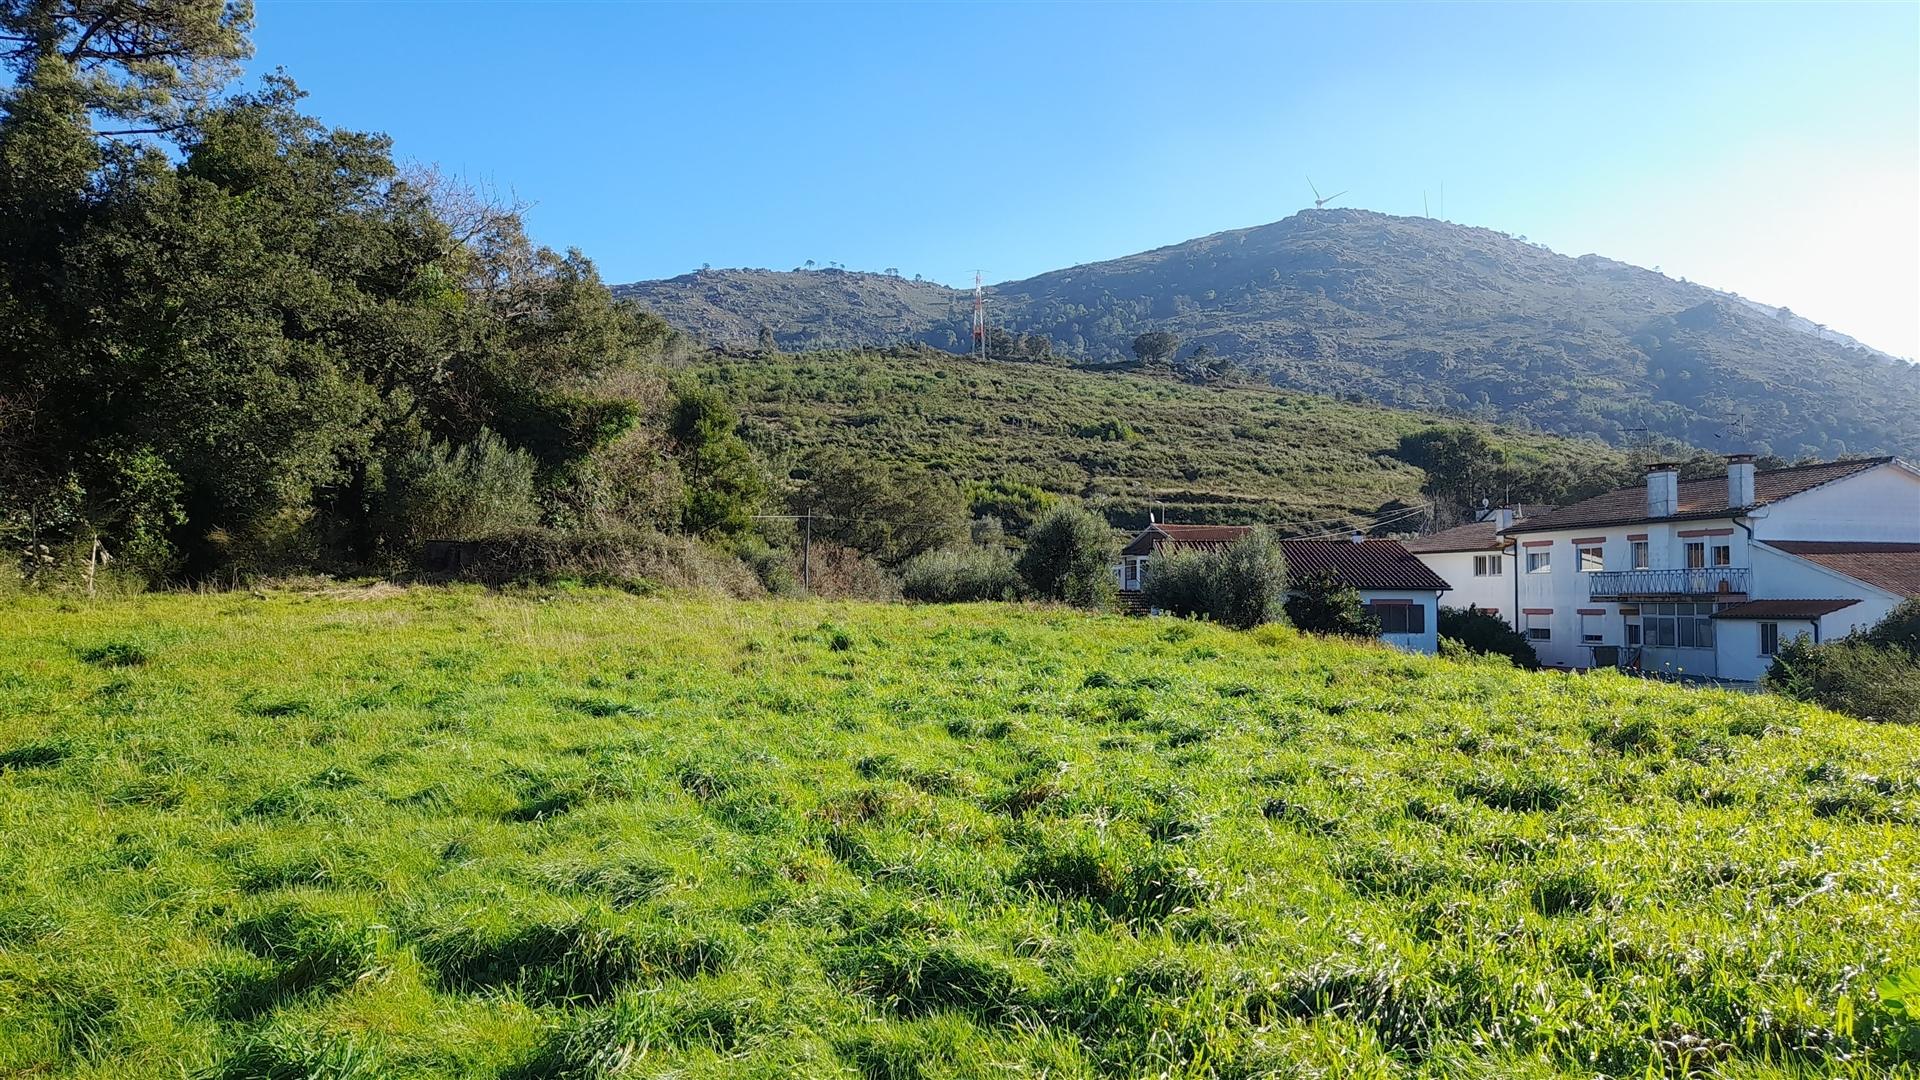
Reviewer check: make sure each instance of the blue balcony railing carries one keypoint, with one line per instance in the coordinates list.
(1702, 581)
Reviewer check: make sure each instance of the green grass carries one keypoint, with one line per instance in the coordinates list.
(451, 833)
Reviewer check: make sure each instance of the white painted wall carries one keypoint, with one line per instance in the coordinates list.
(1456, 569)
(1879, 504)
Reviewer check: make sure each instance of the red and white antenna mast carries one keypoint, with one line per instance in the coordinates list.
(979, 318)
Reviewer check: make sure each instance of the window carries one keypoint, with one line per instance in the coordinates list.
(1723, 554)
(1696, 555)
(1678, 626)
(1539, 562)
(1539, 627)
(1592, 629)
(1590, 559)
(1400, 618)
(1486, 566)
(1633, 633)
(1637, 554)
(1769, 638)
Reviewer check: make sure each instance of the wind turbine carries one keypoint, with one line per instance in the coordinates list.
(1320, 201)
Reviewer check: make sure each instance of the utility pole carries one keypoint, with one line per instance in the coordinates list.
(806, 551)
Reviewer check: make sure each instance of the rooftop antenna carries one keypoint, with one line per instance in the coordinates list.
(1320, 201)
(1735, 425)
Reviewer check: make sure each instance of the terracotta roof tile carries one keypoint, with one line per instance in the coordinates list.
(1698, 498)
(1473, 536)
(1369, 564)
(1894, 567)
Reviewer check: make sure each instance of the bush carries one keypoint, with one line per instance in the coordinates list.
(1242, 586)
(1479, 632)
(1899, 630)
(1070, 555)
(465, 492)
(960, 575)
(1178, 583)
(1324, 606)
(624, 557)
(1853, 676)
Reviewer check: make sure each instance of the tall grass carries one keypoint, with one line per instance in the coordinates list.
(582, 834)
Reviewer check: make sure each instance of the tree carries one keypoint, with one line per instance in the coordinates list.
(147, 63)
(889, 513)
(767, 345)
(1155, 347)
(723, 485)
(1242, 586)
(1069, 556)
(1324, 606)
(1480, 632)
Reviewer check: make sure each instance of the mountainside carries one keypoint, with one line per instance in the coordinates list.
(1127, 444)
(1405, 311)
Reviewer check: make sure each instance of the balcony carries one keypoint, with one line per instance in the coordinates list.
(1656, 584)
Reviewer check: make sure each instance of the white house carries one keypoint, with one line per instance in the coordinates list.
(1473, 557)
(1705, 578)
(1397, 588)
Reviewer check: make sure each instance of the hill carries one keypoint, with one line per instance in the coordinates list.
(1127, 443)
(442, 834)
(1406, 311)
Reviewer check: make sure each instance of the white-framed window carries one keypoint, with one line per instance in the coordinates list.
(1637, 555)
(1696, 554)
(1678, 626)
(1400, 618)
(1592, 559)
(1723, 554)
(1488, 566)
(1769, 638)
(1633, 633)
(1540, 561)
(1592, 629)
(1539, 627)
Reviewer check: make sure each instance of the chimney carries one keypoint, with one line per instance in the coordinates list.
(1358, 538)
(1740, 480)
(1663, 489)
(1503, 519)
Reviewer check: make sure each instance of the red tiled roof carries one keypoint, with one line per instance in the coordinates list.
(1783, 609)
(1698, 498)
(1894, 567)
(1165, 537)
(1473, 536)
(1369, 564)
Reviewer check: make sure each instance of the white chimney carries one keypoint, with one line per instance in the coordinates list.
(1663, 489)
(1358, 538)
(1503, 519)
(1740, 480)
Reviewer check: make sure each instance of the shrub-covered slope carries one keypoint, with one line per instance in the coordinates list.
(1129, 444)
(1408, 311)
(455, 834)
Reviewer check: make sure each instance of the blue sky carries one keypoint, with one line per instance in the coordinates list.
(1772, 150)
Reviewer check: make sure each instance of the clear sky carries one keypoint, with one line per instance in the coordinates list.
(1772, 150)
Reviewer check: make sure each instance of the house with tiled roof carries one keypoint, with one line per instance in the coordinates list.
(1400, 591)
(1707, 578)
(1474, 557)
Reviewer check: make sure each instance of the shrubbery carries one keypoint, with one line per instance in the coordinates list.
(1873, 675)
(960, 575)
(1243, 586)
(1477, 631)
(1069, 556)
(464, 492)
(1324, 606)
(625, 557)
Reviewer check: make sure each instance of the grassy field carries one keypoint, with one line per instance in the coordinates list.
(450, 833)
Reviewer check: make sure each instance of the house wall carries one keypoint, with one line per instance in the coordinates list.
(1428, 642)
(1880, 504)
(1737, 644)
(1486, 593)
